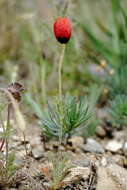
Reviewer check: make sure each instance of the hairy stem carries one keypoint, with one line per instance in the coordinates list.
(2, 123)
(60, 71)
(43, 75)
(19, 117)
(7, 138)
(60, 90)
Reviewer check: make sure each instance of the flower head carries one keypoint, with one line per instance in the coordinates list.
(62, 30)
(15, 89)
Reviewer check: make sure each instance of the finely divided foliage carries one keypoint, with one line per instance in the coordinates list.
(68, 116)
(118, 82)
(60, 169)
(118, 110)
(113, 46)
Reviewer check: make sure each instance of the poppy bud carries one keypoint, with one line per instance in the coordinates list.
(62, 30)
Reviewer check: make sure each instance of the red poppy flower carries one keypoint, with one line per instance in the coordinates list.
(62, 30)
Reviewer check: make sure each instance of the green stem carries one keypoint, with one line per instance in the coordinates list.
(43, 77)
(60, 71)
(60, 90)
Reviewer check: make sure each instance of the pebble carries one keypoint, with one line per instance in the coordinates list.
(118, 135)
(15, 138)
(117, 159)
(125, 148)
(77, 141)
(35, 142)
(86, 162)
(93, 146)
(76, 172)
(38, 152)
(100, 131)
(104, 181)
(114, 145)
(103, 161)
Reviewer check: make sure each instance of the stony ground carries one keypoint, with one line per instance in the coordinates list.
(100, 162)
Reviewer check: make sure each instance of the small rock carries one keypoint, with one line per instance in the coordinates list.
(104, 161)
(118, 135)
(117, 159)
(119, 175)
(47, 185)
(114, 145)
(86, 162)
(100, 131)
(125, 148)
(104, 181)
(35, 142)
(93, 146)
(38, 152)
(111, 177)
(15, 138)
(77, 141)
(76, 173)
